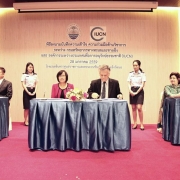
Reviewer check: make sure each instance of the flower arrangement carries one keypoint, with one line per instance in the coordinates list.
(76, 94)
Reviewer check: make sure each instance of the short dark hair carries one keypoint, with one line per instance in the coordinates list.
(28, 64)
(2, 69)
(177, 76)
(59, 73)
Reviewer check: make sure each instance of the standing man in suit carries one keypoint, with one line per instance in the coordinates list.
(104, 87)
(5, 86)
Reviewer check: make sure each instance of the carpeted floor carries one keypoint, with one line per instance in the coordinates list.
(150, 158)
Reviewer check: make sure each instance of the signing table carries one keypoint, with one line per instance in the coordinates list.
(4, 117)
(171, 120)
(90, 125)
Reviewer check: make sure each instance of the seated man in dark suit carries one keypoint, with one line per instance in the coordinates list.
(5, 86)
(104, 87)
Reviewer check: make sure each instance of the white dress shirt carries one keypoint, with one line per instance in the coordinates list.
(1, 80)
(136, 79)
(29, 79)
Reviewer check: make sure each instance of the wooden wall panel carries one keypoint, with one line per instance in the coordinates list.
(152, 38)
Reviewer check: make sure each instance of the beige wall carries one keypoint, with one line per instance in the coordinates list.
(152, 38)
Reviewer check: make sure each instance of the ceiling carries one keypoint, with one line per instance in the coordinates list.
(167, 3)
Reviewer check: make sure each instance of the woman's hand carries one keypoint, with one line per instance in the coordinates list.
(172, 96)
(175, 95)
(31, 94)
(133, 93)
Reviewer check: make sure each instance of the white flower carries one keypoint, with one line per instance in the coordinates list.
(68, 94)
(71, 95)
(78, 96)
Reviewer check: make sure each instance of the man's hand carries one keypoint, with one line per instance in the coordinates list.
(119, 96)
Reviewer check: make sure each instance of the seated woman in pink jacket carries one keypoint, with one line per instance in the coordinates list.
(60, 89)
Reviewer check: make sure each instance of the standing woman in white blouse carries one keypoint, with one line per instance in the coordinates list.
(29, 82)
(136, 81)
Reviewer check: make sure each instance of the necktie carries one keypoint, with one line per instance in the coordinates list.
(103, 90)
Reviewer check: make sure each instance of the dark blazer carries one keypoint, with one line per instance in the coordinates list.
(56, 91)
(6, 89)
(113, 91)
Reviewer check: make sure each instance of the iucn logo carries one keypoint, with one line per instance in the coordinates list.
(98, 33)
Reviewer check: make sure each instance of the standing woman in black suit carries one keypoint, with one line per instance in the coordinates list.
(136, 81)
(29, 82)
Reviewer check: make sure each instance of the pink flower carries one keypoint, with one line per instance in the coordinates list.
(85, 95)
(73, 98)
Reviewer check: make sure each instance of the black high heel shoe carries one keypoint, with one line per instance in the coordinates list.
(26, 123)
(159, 125)
(135, 127)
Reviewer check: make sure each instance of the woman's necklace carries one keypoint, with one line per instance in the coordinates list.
(64, 86)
